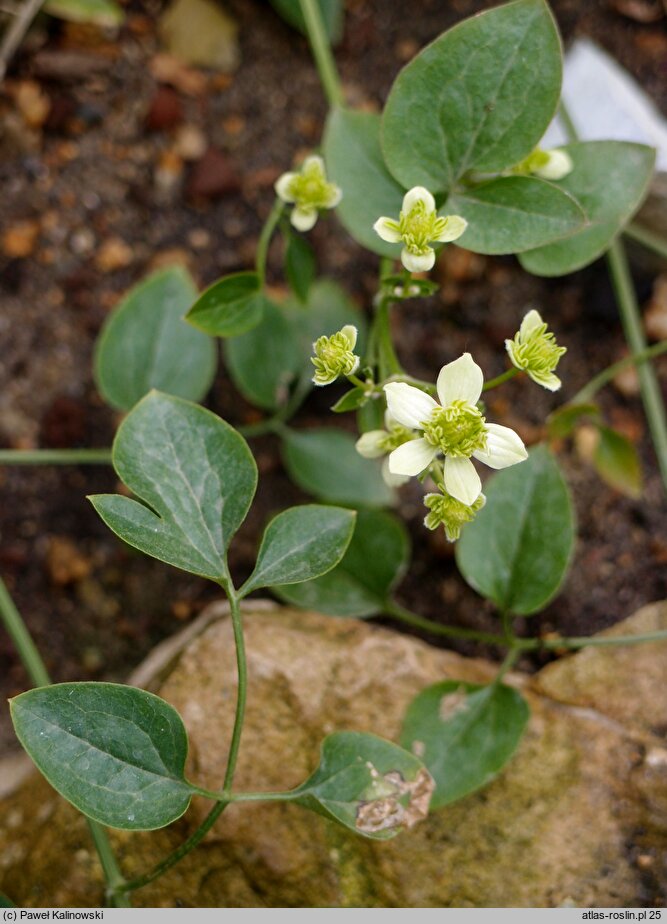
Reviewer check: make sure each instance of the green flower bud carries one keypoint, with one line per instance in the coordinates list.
(446, 511)
(309, 191)
(334, 356)
(548, 165)
(534, 350)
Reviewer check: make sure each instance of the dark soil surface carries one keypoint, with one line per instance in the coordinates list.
(95, 193)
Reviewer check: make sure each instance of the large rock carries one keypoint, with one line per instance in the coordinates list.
(579, 817)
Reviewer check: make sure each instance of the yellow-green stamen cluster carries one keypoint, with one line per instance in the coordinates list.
(310, 189)
(456, 430)
(446, 511)
(395, 436)
(334, 356)
(419, 227)
(536, 160)
(534, 350)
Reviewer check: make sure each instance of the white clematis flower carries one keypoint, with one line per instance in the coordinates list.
(376, 443)
(417, 226)
(455, 428)
(534, 350)
(310, 192)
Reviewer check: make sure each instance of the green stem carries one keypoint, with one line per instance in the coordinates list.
(508, 663)
(646, 238)
(631, 320)
(388, 360)
(198, 835)
(36, 670)
(265, 239)
(324, 61)
(392, 608)
(55, 457)
(499, 379)
(588, 392)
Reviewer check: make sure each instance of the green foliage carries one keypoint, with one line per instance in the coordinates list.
(374, 563)
(196, 477)
(351, 401)
(518, 549)
(479, 97)
(617, 462)
(300, 267)
(115, 752)
(609, 180)
(564, 419)
(511, 214)
(332, 13)
(103, 13)
(325, 463)
(360, 773)
(231, 306)
(6, 902)
(301, 544)
(464, 733)
(355, 163)
(144, 344)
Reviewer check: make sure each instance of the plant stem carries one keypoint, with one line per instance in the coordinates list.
(646, 238)
(499, 379)
(388, 360)
(631, 320)
(392, 608)
(198, 835)
(324, 61)
(36, 670)
(265, 239)
(508, 663)
(588, 392)
(55, 457)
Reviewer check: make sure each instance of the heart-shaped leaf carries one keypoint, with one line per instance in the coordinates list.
(367, 784)
(517, 550)
(510, 214)
(609, 180)
(231, 306)
(145, 344)
(301, 544)
(464, 733)
(266, 384)
(355, 162)
(115, 752)
(374, 563)
(479, 97)
(195, 473)
(325, 462)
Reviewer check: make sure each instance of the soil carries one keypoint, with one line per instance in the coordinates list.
(94, 196)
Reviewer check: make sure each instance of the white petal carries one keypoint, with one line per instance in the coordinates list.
(411, 458)
(558, 166)
(313, 161)
(529, 323)
(415, 195)
(408, 405)
(369, 444)
(336, 196)
(303, 219)
(461, 480)
(461, 380)
(393, 481)
(282, 186)
(547, 380)
(453, 229)
(385, 228)
(350, 334)
(503, 447)
(418, 263)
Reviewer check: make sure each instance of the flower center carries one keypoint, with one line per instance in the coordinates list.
(456, 430)
(395, 437)
(540, 352)
(419, 227)
(310, 190)
(448, 512)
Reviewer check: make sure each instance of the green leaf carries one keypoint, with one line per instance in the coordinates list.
(375, 561)
(300, 266)
(354, 161)
(367, 784)
(301, 544)
(196, 475)
(114, 752)
(351, 401)
(231, 306)
(145, 344)
(518, 549)
(479, 97)
(370, 416)
(266, 383)
(6, 902)
(330, 10)
(325, 463)
(103, 13)
(609, 180)
(617, 462)
(562, 421)
(513, 213)
(464, 733)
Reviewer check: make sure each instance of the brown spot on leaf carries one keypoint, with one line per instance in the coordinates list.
(453, 703)
(390, 812)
